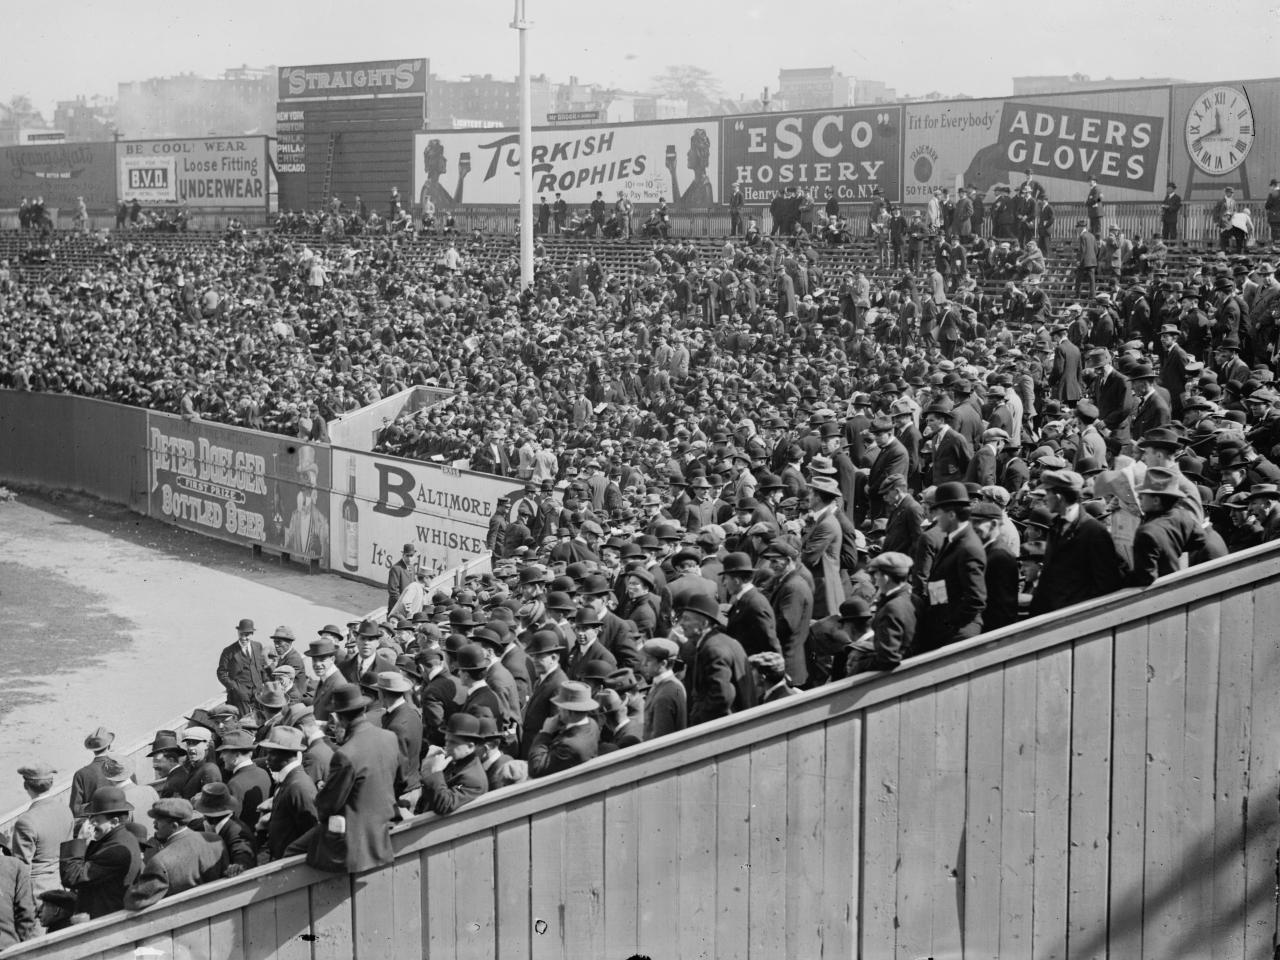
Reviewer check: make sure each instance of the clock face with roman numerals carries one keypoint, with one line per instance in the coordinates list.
(1219, 130)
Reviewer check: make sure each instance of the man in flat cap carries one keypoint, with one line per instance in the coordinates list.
(41, 830)
(665, 705)
(184, 858)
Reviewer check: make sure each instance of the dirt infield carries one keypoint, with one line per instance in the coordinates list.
(111, 618)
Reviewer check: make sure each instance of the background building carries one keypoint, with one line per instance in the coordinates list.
(815, 87)
(86, 119)
(1077, 82)
(242, 101)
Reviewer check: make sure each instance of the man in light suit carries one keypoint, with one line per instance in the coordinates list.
(42, 829)
(820, 547)
(242, 668)
(185, 859)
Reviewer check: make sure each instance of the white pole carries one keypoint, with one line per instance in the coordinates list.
(521, 23)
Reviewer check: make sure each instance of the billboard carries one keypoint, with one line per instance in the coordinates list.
(1119, 137)
(204, 172)
(59, 172)
(674, 161)
(379, 504)
(850, 151)
(369, 78)
(240, 485)
(1225, 135)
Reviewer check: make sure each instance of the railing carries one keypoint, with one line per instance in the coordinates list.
(1096, 783)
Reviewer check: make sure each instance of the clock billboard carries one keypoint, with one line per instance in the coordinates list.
(1225, 135)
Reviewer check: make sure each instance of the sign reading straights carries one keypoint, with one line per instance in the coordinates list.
(209, 172)
(380, 504)
(327, 81)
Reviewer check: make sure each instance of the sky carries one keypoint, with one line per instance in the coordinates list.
(61, 49)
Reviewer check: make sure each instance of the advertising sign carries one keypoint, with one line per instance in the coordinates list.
(208, 172)
(379, 504)
(59, 172)
(849, 151)
(1117, 137)
(370, 78)
(648, 161)
(239, 485)
(1225, 135)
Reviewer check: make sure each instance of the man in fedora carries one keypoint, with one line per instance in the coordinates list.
(951, 451)
(357, 803)
(103, 858)
(893, 625)
(185, 858)
(618, 636)
(42, 828)
(362, 668)
(821, 544)
(453, 775)
(570, 736)
(248, 783)
(956, 591)
(1080, 560)
(399, 717)
(90, 777)
(323, 654)
(717, 677)
(545, 650)
(242, 668)
(218, 808)
(401, 575)
(1151, 409)
(166, 756)
(750, 618)
(119, 771)
(586, 646)
(293, 801)
(1264, 508)
(1165, 533)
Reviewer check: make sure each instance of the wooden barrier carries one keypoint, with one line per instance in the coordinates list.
(1096, 783)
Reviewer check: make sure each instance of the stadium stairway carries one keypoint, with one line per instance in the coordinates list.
(1101, 782)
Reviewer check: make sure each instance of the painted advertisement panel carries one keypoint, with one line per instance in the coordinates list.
(1225, 135)
(848, 151)
(254, 488)
(204, 172)
(676, 162)
(369, 78)
(1118, 137)
(379, 504)
(59, 172)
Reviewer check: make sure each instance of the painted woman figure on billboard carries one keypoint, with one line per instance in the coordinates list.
(436, 166)
(701, 193)
(307, 532)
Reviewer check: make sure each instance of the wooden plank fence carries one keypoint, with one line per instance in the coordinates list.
(1100, 783)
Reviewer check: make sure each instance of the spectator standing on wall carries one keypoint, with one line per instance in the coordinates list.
(1093, 207)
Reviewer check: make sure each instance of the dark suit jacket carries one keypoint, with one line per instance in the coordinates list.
(577, 659)
(316, 759)
(893, 629)
(250, 785)
(293, 811)
(406, 724)
(239, 841)
(751, 622)
(967, 421)
(540, 707)
(618, 636)
(242, 676)
(361, 788)
(86, 780)
(1002, 589)
(100, 871)
(910, 438)
(458, 784)
(517, 664)
(902, 527)
(566, 748)
(324, 693)
(717, 678)
(951, 456)
(982, 468)
(1064, 379)
(1113, 398)
(1149, 412)
(665, 709)
(1080, 563)
(961, 565)
(892, 459)
(442, 697)
(792, 602)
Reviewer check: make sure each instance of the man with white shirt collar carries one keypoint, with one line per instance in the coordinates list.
(293, 801)
(771, 677)
(247, 781)
(956, 592)
(323, 654)
(402, 720)
(360, 668)
(665, 704)
(750, 618)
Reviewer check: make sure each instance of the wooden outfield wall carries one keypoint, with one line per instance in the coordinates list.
(1096, 784)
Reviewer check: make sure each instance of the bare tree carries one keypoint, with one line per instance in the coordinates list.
(693, 84)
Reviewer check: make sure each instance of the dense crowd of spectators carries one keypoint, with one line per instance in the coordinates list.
(747, 469)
